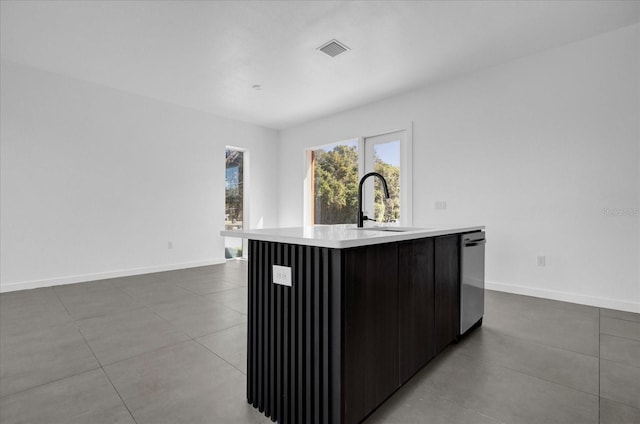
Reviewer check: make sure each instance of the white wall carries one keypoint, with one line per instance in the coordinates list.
(95, 181)
(536, 149)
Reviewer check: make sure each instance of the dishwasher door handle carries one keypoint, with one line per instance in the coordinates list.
(472, 243)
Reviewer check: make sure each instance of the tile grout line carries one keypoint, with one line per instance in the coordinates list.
(620, 337)
(220, 331)
(137, 355)
(496, 364)
(64, 306)
(236, 368)
(108, 378)
(539, 343)
(621, 319)
(533, 340)
(455, 403)
(101, 367)
(50, 382)
(118, 393)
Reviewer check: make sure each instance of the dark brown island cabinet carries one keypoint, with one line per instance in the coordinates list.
(354, 325)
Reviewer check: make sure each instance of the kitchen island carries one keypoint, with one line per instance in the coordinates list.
(340, 317)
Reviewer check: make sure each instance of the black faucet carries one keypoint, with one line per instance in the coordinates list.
(361, 217)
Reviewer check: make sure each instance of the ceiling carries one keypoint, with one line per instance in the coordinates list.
(208, 55)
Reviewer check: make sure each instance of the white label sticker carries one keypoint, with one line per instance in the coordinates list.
(282, 275)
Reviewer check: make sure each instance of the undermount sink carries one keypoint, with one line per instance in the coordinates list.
(391, 229)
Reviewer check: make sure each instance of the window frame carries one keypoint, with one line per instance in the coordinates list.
(406, 171)
(245, 195)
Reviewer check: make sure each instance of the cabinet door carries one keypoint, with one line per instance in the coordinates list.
(416, 314)
(447, 290)
(370, 328)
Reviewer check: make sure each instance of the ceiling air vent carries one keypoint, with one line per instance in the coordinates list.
(333, 48)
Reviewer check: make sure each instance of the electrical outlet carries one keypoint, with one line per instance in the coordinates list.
(282, 275)
(440, 204)
(542, 261)
(170, 245)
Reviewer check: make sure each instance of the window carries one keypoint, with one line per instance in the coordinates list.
(334, 171)
(335, 183)
(234, 209)
(382, 155)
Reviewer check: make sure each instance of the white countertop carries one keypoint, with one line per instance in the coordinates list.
(344, 236)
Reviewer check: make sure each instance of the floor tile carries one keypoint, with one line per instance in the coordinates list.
(184, 383)
(154, 277)
(620, 383)
(198, 316)
(533, 361)
(236, 299)
(612, 313)
(36, 357)
(86, 398)
(177, 274)
(153, 293)
(116, 337)
(617, 413)
(558, 324)
(97, 303)
(620, 349)
(506, 395)
(560, 366)
(620, 328)
(204, 285)
(230, 345)
(425, 405)
(86, 287)
(206, 270)
(233, 272)
(20, 298)
(31, 310)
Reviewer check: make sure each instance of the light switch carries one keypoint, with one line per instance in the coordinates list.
(441, 204)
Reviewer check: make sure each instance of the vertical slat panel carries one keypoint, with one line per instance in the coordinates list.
(251, 373)
(326, 305)
(308, 387)
(266, 287)
(300, 319)
(261, 329)
(278, 338)
(291, 254)
(317, 338)
(286, 342)
(336, 296)
(294, 335)
(272, 338)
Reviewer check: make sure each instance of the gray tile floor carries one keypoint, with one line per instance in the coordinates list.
(170, 348)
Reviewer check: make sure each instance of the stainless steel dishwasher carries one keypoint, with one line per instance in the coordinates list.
(471, 280)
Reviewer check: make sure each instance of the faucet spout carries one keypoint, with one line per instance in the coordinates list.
(361, 216)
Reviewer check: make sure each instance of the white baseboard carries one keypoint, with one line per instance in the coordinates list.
(565, 297)
(49, 282)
